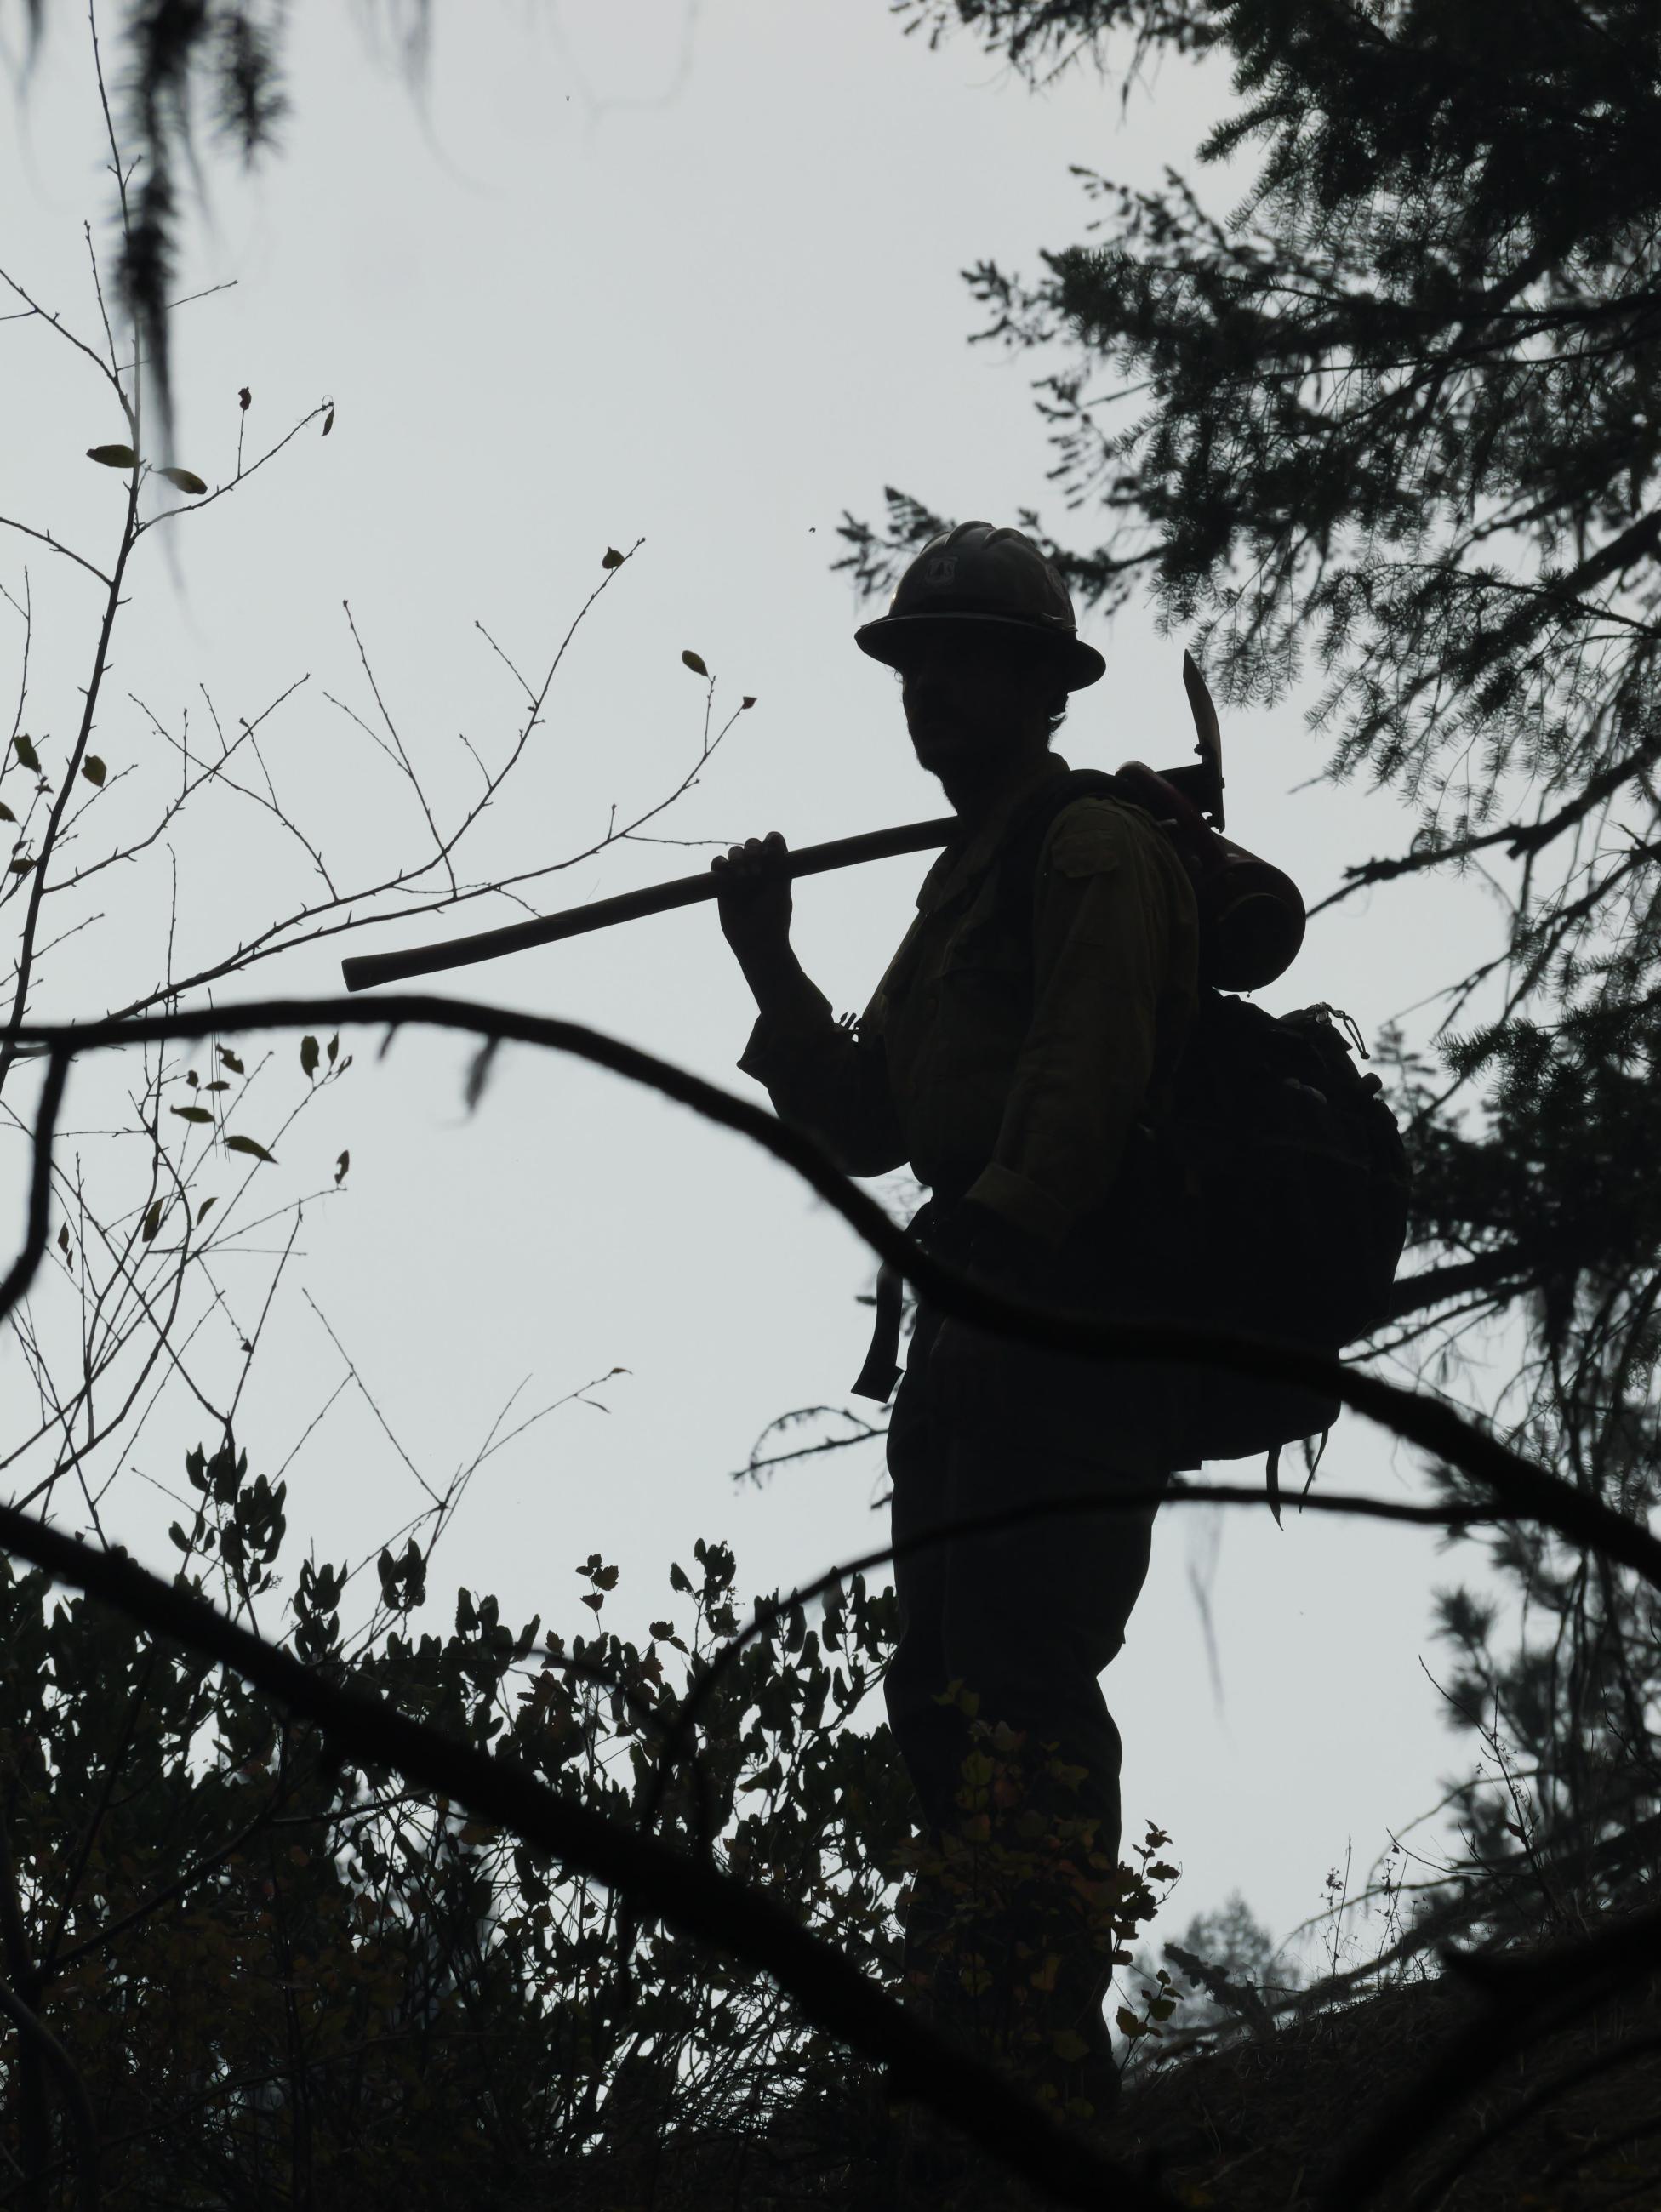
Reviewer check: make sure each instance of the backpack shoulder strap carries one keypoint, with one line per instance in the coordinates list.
(1029, 826)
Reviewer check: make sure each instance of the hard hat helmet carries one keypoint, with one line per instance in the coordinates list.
(991, 577)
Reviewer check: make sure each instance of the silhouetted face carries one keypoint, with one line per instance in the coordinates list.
(971, 700)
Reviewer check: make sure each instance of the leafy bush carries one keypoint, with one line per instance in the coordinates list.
(260, 1962)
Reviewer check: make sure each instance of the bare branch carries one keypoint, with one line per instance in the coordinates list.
(37, 879)
(46, 537)
(221, 491)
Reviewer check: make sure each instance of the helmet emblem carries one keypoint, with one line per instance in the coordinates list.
(941, 569)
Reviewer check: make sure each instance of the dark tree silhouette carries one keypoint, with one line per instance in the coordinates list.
(1392, 424)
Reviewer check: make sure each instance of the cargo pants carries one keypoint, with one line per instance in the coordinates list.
(1006, 1942)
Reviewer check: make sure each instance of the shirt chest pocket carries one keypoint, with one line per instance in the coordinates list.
(978, 993)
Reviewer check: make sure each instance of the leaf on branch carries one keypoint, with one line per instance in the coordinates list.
(192, 1113)
(595, 1599)
(334, 1047)
(203, 1208)
(178, 1536)
(6, 814)
(186, 480)
(112, 456)
(612, 558)
(247, 1145)
(308, 1057)
(245, 400)
(328, 421)
(63, 1237)
(231, 1060)
(218, 1084)
(695, 662)
(341, 1166)
(22, 867)
(749, 702)
(24, 749)
(152, 1220)
(94, 769)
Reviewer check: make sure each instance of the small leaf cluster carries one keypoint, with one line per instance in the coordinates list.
(1027, 1912)
(241, 1522)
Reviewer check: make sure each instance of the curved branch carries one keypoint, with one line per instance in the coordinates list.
(1526, 1490)
(46, 537)
(18, 1277)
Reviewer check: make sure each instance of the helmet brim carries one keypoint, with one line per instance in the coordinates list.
(888, 638)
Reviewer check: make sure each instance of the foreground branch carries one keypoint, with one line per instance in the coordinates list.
(1525, 1490)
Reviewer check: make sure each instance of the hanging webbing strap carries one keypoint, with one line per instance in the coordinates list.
(881, 1371)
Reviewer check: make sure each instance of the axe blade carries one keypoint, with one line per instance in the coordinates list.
(1207, 781)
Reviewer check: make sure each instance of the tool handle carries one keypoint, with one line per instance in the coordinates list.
(366, 969)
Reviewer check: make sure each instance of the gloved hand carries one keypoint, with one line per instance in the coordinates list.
(754, 903)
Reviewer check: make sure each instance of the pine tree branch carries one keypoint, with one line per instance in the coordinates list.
(1504, 1271)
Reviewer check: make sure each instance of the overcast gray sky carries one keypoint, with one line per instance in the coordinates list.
(626, 270)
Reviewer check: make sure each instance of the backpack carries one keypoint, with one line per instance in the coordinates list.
(1269, 1196)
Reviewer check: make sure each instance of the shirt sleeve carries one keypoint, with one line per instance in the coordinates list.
(827, 1078)
(1115, 965)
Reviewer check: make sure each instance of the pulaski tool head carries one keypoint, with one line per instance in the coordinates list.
(1251, 912)
(1204, 781)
